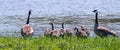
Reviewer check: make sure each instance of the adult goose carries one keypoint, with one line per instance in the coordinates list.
(100, 30)
(27, 30)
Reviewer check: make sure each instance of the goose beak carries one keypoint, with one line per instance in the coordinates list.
(94, 11)
(30, 11)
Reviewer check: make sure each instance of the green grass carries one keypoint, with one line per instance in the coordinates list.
(68, 43)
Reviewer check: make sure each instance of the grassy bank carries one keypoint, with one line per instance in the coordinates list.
(47, 43)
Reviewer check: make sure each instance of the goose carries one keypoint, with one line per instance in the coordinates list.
(62, 30)
(77, 32)
(85, 30)
(48, 31)
(100, 30)
(56, 33)
(27, 29)
(52, 32)
(67, 31)
(82, 33)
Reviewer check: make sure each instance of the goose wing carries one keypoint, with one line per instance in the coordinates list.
(106, 30)
(83, 33)
(48, 31)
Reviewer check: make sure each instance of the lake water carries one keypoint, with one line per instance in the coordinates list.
(13, 14)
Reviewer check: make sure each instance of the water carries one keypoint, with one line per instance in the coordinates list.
(12, 25)
(58, 7)
(13, 14)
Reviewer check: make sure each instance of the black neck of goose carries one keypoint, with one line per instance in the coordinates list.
(62, 25)
(96, 18)
(28, 18)
(76, 29)
(52, 26)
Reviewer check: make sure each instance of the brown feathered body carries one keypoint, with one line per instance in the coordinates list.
(27, 30)
(56, 33)
(48, 32)
(68, 32)
(83, 29)
(52, 32)
(62, 32)
(84, 32)
(103, 31)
